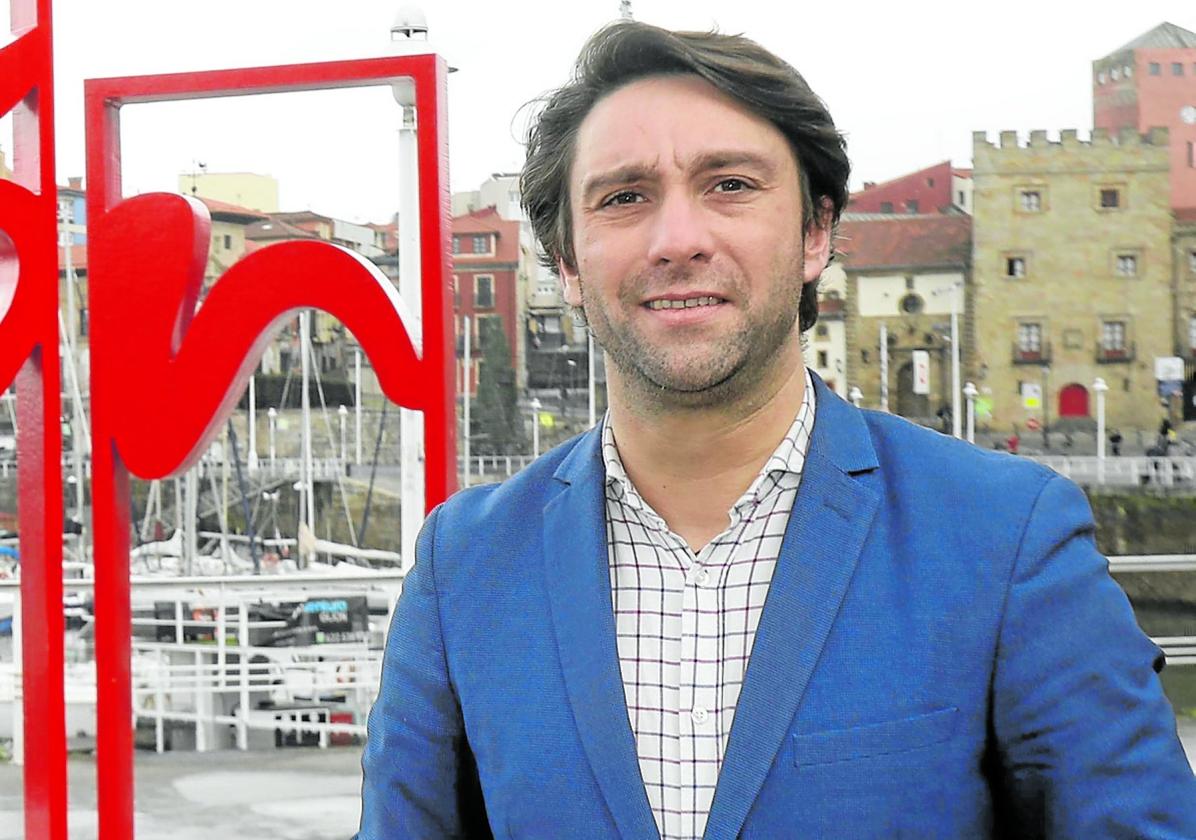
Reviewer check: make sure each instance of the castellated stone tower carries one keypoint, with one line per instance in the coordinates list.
(1072, 275)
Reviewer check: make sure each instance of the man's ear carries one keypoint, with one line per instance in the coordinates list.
(817, 245)
(570, 283)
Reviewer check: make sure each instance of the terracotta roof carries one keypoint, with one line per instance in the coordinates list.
(267, 230)
(897, 240)
(230, 211)
(488, 221)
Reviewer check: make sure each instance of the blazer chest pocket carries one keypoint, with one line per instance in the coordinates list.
(875, 739)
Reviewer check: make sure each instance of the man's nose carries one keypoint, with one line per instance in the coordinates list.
(681, 232)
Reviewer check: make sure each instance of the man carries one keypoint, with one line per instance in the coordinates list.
(741, 607)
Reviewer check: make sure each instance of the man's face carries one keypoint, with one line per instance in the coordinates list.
(687, 232)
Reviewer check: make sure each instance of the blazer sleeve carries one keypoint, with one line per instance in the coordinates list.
(1085, 736)
(419, 778)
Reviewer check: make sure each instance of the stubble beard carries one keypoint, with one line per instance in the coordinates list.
(724, 371)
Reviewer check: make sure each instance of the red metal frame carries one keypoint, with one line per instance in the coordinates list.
(29, 352)
(165, 377)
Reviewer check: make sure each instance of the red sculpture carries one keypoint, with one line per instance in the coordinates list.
(165, 378)
(29, 353)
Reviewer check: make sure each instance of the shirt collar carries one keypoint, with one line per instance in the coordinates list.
(783, 466)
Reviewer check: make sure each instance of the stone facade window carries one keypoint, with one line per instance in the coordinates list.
(1015, 267)
(481, 244)
(1127, 265)
(1112, 339)
(1156, 69)
(912, 304)
(1177, 68)
(1110, 198)
(1029, 341)
(1031, 201)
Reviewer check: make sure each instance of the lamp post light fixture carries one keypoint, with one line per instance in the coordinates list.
(855, 395)
(969, 391)
(536, 406)
(1100, 387)
(272, 414)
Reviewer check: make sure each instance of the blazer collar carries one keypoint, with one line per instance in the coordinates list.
(577, 575)
(827, 529)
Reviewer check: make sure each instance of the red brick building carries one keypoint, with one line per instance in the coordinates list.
(1151, 82)
(486, 253)
(940, 188)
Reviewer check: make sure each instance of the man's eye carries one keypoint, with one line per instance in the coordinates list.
(731, 185)
(623, 197)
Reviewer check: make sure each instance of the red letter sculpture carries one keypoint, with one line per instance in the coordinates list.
(29, 352)
(165, 377)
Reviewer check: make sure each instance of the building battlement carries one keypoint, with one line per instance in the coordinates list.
(1069, 138)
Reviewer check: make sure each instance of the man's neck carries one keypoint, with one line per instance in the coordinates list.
(692, 464)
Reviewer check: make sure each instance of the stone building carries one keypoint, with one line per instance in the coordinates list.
(904, 272)
(1072, 276)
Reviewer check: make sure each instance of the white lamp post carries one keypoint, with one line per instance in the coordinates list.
(343, 414)
(1100, 387)
(252, 421)
(955, 419)
(535, 406)
(856, 395)
(409, 36)
(272, 415)
(969, 391)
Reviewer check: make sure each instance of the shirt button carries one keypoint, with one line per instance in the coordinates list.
(699, 715)
(698, 575)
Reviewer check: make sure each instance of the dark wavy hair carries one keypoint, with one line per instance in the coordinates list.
(626, 51)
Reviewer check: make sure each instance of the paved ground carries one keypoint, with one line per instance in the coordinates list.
(300, 794)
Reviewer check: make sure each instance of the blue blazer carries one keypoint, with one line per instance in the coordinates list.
(942, 655)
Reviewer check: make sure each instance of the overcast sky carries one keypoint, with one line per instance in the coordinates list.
(908, 82)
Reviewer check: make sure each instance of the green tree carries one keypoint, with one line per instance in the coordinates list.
(497, 427)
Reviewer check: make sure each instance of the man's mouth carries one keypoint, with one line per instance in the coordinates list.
(685, 303)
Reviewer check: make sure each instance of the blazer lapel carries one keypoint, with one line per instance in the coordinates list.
(578, 582)
(827, 529)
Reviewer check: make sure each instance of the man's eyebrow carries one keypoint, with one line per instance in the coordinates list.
(627, 174)
(732, 159)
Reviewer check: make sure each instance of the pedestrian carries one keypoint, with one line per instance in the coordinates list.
(1115, 439)
(1013, 441)
(740, 606)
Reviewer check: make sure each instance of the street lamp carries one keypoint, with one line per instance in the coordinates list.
(1046, 407)
(1100, 387)
(969, 391)
(855, 395)
(272, 414)
(343, 414)
(535, 406)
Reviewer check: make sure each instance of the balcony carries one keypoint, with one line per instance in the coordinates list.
(1032, 356)
(1115, 355)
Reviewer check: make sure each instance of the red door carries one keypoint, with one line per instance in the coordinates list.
(1073, 401)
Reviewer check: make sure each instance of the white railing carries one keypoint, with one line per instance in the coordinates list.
(1123, 471)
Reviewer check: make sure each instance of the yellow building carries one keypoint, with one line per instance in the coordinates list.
(1072, 271)
(245, 189)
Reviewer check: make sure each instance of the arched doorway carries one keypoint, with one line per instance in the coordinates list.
(1073, 401)
(909, 404)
